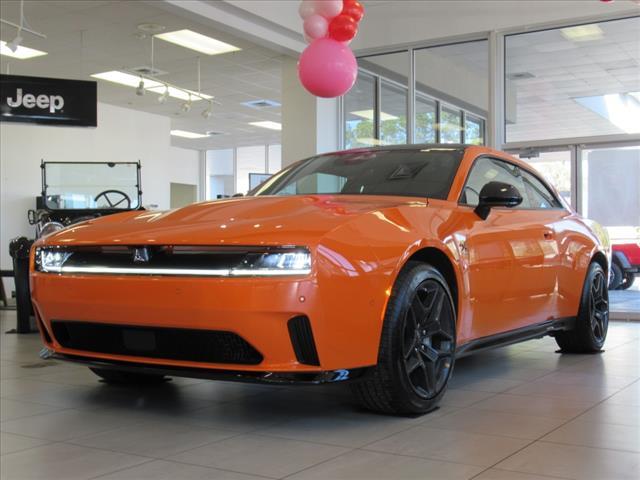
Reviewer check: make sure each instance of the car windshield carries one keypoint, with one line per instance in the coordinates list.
(90, 186)
(426, 172)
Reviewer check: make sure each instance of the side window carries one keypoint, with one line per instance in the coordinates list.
(487, 170)
(539, 195)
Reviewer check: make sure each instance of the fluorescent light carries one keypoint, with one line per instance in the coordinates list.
(126, 79)
(368, 115)
(177, 93)
(21, 52)
(582, 33)
(268, 124)
(370, 141)
(198, 42)
(187, 134)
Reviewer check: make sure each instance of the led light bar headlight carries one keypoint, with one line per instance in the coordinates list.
(179, 261)
(296, 262)
(51, 260)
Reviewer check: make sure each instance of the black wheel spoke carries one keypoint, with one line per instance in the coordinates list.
(106, 197)
(429, 353)
(413, 362)
(429, 338)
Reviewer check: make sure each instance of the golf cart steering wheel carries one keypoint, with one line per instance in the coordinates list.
(115, 202)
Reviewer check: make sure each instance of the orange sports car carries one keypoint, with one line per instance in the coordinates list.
(379, 266)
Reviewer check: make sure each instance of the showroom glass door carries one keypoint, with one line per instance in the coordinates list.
(556, 165)
(610, 188)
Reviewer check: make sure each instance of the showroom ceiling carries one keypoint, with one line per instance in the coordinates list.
(88, 37)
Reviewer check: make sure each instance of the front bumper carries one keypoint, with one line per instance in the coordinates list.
(344, 318)
(275, 378)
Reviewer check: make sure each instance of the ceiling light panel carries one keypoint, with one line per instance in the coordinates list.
(582, 33)
(21, 53)
(368, 115)
(267, 124)
(187, 134)
(198, 42)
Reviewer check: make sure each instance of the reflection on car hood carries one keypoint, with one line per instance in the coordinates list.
(299, 220)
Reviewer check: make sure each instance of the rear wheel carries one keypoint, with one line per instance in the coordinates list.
(617, 276)
(417, 346)
(628, 280)
(127, 378)
(592, 322)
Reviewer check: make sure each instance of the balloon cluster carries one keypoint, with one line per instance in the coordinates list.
(327, 67)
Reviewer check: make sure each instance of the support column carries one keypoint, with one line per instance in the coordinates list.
(309, 124)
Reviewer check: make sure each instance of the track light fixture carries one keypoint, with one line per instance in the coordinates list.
(140, 89)
(163, 98)
(206, 113)
(186, 106)
(15, 43)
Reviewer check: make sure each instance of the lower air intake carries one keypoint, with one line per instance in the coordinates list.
(207, 346)
(302, 340)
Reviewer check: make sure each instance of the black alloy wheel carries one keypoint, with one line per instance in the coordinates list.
(592, 322)
(429, 332)
(417, 346)
(599, 306)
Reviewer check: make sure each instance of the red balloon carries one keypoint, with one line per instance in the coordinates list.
(354, 9)
(343, 28)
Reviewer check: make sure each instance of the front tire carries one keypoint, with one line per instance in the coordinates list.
(127, 378)
(592, 322)
(417, 346)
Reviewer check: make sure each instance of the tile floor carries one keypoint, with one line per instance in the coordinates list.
(519, 413)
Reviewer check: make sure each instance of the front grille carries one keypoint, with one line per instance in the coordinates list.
(207, 346)
(302, 340)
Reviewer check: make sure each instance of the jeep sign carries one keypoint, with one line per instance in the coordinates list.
(48, 101)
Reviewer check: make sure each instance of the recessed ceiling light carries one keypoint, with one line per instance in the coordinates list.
(368, 115)
(267, 124)
(22, 53)
(197, 41)
(187, 134)
(582, 33)
(126, 79)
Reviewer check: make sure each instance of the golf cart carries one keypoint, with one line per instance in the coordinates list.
(72, 192)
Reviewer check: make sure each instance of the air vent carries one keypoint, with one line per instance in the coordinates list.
(148, 71)
(520, 76)
(259, 104)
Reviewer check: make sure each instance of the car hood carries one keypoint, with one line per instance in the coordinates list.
(299, 220)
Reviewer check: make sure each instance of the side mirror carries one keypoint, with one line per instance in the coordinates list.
(497, 194)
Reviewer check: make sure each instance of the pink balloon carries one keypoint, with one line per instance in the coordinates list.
(316, 26)
(327, 68)
(307, 8)
(328, 8)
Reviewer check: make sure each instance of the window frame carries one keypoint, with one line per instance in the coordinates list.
(521, 167)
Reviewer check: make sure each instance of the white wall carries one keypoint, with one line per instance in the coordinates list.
(122, 135)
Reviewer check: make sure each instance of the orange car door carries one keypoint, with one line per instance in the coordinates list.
(511, 262)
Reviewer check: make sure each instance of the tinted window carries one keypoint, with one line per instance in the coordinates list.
(415, 173)
(539, 195)
(487, 170)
